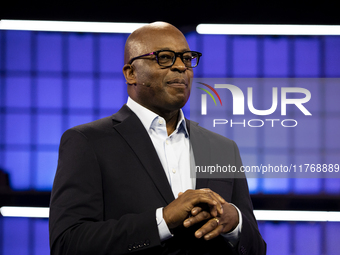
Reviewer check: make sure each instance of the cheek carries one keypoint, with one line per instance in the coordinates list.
(150, 79)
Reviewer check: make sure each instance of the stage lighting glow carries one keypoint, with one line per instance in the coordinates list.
(276, 215)
(69, 26)
(261, 215)
(30, 212)
(252, 29)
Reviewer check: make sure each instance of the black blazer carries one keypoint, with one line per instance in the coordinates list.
(109, 183)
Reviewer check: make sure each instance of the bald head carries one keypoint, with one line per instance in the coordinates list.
(139, 41)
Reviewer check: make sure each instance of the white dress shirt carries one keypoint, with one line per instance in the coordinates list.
(174, 153)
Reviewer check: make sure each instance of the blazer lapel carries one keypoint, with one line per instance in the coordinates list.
(201, 147)
(134, 133)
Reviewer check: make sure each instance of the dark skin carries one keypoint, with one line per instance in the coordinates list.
(226, 221)
(165, 91)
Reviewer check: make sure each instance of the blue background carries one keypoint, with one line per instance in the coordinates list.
(52, 81)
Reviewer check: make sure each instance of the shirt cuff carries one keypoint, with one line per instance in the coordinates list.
(234, 236)
(163, 230)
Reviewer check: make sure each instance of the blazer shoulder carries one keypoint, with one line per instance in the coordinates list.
(94, 130)
(99, 125)
(102, 127)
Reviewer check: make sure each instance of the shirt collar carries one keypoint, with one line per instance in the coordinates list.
(147, 117)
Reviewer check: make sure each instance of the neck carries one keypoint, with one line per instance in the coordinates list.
(171, 122)
(170, 116)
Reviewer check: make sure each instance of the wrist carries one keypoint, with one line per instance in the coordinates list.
(167, 219)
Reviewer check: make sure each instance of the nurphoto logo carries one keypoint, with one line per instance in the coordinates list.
(280, 97)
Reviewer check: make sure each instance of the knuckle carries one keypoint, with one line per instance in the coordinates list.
(205, 215)
(206, 190)
(214, 222)
(191, 221)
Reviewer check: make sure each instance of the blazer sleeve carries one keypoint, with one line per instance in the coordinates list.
(77, 222)
(250, 241)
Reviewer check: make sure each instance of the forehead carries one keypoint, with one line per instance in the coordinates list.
(163, 39)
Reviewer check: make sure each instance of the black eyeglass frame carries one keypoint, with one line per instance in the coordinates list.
(180, 54)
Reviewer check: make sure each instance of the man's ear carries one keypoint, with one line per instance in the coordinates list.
(129, 74)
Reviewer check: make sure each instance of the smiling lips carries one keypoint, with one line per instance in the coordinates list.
(178, 82)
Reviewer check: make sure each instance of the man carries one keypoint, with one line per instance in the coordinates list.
(123, 183)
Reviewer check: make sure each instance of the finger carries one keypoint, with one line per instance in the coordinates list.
(178, 210)
(216, 210)
(207, 228)
(219, 199)
(204, 215)
(203, 196)
(213, 211)
(180, 193)
(196, 210)
(213, 234)
(206, 198)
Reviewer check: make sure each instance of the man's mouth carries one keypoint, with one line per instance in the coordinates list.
(178, 82)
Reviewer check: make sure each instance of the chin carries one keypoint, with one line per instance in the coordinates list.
(180, 103)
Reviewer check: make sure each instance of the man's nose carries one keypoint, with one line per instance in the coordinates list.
(178, 65)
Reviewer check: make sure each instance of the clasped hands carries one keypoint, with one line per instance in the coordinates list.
(194, 206)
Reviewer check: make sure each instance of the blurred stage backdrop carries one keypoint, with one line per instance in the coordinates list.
(51, 81)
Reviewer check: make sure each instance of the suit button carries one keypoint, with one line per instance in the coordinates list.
(130, 247)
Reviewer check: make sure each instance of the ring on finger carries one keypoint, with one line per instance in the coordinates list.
(217, 220)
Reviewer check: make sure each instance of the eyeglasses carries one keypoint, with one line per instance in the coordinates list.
(167, 58)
